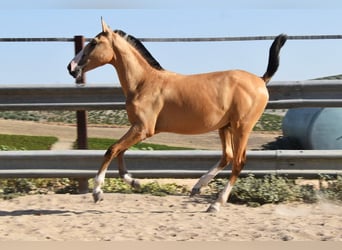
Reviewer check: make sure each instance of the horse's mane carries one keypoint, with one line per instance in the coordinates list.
(136, 43)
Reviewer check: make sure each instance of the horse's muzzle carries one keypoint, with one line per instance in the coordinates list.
(74, 70)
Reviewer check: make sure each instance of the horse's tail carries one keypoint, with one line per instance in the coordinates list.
(273, 60)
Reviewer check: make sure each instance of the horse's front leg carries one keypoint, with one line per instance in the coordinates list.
(133, 136)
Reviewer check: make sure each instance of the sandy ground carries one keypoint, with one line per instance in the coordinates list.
(125, 217)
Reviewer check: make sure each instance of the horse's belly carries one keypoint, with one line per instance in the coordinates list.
(187, 124)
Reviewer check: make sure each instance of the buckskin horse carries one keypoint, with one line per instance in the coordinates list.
(158, 100)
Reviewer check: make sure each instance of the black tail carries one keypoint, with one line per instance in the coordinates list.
(273, 60)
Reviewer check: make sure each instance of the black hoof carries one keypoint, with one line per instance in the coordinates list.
(195, 191)
(98, 196)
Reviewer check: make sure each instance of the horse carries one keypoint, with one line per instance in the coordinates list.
(158, 100)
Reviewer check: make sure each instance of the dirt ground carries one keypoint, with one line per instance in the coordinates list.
(135, 217)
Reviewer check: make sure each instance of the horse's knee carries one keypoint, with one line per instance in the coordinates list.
(112, 152)
(109, 152)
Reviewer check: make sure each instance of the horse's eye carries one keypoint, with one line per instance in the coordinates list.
(93, 43)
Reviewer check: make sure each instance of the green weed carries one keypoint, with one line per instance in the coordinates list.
(25, 142)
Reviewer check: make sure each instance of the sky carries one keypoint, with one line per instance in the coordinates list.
(46, 62)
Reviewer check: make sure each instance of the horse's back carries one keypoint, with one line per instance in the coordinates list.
(221, 87)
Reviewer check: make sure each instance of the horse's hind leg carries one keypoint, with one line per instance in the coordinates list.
(206, 178)
(227, 155)
(240, 140)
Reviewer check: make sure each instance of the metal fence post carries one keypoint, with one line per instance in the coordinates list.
(81, 116)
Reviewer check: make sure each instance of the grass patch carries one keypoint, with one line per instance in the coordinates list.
(24, 142)
(103, 144)
(12, 188)
(269, 122)
(249, 190)
(15, 187)
(114, 185)
(117, 117)
(276, 189)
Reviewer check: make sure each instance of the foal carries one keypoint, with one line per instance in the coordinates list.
(158, 100)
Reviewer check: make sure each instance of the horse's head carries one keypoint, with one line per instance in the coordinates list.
(96, 53)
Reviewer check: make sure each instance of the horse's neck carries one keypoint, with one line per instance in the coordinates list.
(131, 68)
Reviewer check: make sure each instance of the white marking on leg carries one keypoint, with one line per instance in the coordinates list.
(128, 179)
(206, 178)
(221, 200)
(223, 197)
(99, 180)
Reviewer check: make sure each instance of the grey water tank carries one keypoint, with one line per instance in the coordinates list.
(314, 128)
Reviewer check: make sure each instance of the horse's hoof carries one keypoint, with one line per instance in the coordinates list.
(195, 191)
(135, 184)
(98, 196)
(213, 208)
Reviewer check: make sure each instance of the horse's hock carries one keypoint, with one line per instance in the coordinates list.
(314, 128)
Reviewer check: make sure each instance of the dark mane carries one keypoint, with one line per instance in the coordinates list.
(141, 48)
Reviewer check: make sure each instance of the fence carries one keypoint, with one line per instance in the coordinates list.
(166, 164)
(318, 93)
(177, 164)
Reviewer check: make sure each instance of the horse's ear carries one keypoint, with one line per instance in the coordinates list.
(105, 27)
